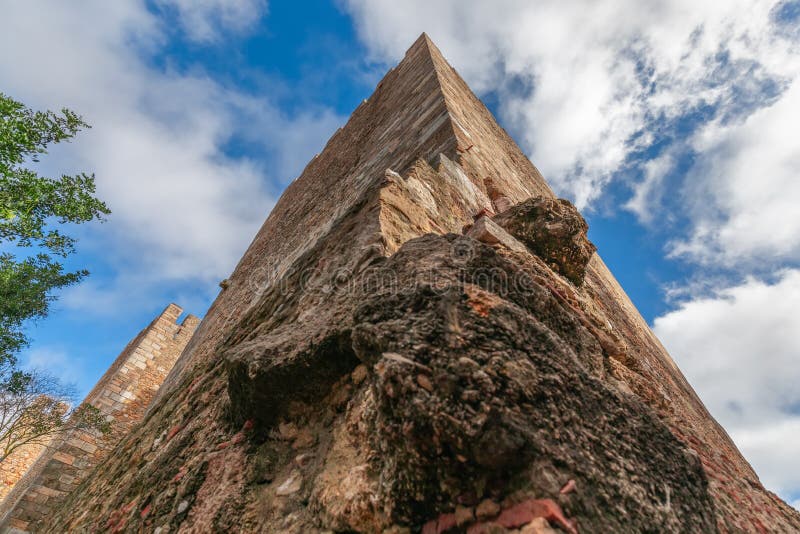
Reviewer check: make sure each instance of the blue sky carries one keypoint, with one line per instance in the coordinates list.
(671, 124)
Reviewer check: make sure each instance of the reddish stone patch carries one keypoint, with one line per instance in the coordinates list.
(235, 440)
(481, 303)
(112, 520)
(174, 430)
(464, 515)
(180, 474)
(486, 528)
(526, 511)
(760, 526)
(484, 212)
(551, 511)
(516, 516)
(445, 523)
(119, 518)
(481, 308)
(512, 517)
(429, 527)
(194, 383)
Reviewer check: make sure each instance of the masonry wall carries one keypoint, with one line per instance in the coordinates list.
(123, 394)
(186, 468)
(16, 465)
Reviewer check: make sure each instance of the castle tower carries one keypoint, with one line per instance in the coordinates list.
(122, 395)
(421, 337)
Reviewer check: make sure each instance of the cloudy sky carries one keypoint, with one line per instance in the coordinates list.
(672, 124)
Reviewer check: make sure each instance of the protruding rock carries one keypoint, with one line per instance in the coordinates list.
(487, 231)
(425, 383)
(487, 509)
(359, 374)
(291, 485)
(464, 515)
(553, 230)
(304, 439)
(569, 487)
(539, 525)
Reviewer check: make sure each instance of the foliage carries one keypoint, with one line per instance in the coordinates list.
(32, 208)
(25, 289)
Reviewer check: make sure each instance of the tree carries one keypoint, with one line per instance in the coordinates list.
(32, 208)
(33, 211)
(35, 407)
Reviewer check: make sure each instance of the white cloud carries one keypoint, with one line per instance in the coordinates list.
(203, 20)
(745, 188)
(604, 76)
(182, 209)
(647, 193)
(54, 361)
(595, 91)
(740, 349)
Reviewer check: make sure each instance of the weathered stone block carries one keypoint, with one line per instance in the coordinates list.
(554, 230)
(489, 232)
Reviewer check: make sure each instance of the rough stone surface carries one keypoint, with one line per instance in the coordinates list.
(489, 232)
(553, 230)
(14, 467)
(489, 372)
(122, 395)
(542, 403)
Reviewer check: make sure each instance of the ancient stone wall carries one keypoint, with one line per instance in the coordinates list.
(123, 394)
(302, 405)
(15, 466)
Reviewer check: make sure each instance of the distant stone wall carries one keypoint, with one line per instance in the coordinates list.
(14, 467)
(123, 394)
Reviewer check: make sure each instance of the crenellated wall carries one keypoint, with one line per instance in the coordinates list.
(123, 394)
